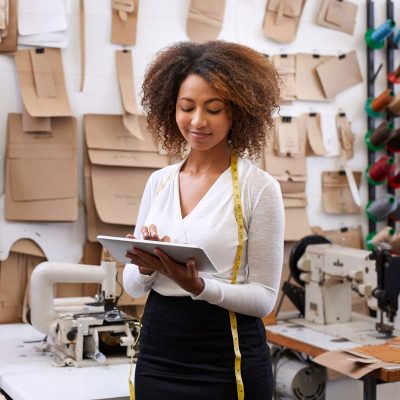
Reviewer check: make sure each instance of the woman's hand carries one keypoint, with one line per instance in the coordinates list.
(149, 233)
(185, 276)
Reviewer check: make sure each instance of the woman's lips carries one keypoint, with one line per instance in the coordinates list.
(199, 135)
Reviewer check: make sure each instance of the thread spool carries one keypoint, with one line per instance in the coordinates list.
(396, 39)
(393, 144)
(394, 106)
(395, 244)
(395, 215)
(374, 107)
(381, 208)
(394, 76)
(377, 138)
(384, 235)
(394, 181)
(375, 38)
(378, 172)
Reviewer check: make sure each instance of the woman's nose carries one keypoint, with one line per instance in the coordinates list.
(199, 119)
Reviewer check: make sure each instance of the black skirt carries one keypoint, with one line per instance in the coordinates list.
(186, 352)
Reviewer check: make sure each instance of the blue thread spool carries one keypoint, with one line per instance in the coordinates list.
(396, 39)
(375, 38)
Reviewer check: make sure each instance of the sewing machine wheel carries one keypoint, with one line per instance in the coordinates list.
(298, 250)
(109, 342)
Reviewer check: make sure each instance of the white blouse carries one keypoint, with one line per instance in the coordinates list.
(212, 225)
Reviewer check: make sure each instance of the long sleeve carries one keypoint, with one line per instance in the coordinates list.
(257, 296)
(135, 283)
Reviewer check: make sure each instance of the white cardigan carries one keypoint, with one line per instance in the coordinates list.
(212, 225)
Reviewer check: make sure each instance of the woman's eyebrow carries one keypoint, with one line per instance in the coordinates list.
(206, 102)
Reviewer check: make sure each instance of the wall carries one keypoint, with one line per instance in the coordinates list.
(163, 22)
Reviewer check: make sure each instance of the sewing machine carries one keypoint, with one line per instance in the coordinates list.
(82, 331)
(330, 273)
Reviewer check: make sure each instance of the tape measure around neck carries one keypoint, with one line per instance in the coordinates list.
(239, 250)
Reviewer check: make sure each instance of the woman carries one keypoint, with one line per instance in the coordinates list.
(211, 103)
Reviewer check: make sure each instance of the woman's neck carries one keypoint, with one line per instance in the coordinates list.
(205, 162)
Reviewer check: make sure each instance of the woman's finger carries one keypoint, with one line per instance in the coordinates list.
(191, 268)
(153, 232)
(145, 232)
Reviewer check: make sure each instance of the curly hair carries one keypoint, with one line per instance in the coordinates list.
(243, 77)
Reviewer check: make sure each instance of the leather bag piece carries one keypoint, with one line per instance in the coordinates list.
(42, 172)
(9, 35)
(308, 84)
(336, 193)
(315, 143)
(286, 66)
(42, 83)
(339, 73)
(282, 19)
(117, 167)
(339, 15)
(124, 15)
(204, 19)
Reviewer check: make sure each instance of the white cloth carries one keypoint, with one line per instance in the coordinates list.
(212, 225)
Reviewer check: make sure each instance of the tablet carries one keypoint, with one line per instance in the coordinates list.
(119, 246)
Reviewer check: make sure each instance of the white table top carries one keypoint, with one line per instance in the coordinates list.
(26, 373)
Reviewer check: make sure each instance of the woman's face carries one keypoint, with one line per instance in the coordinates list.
(201, 114)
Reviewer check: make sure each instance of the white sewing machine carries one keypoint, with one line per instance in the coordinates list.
(82, 331)
(330, 273)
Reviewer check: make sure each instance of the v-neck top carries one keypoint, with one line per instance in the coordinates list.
(211, 224)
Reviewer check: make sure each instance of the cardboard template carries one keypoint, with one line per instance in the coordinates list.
(336, 193)
(42, 172)
(42, 84)
(296, 210)
(282, 19)
(315, 143)
(59, 241)
(339, 73)
(308, 84)
(8, 42)
(126, 80)
(338, 14)
(123, 21)
(117, 167)
(35, 124)
(346, 236)
(345, 135)
(348, 363)
(286, 66)
(204, 19)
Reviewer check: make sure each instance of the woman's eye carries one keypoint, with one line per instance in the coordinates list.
(186, 109)
(214, 112)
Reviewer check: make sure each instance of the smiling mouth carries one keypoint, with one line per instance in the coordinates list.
(199, 133)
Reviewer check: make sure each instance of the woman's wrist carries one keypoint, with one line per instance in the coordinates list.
(198, 287)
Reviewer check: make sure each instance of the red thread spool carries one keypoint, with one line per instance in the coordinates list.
(381, 169)
(382, 101)
(394, 181)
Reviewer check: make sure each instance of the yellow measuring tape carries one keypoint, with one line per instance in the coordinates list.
(232, 316)
(239, 250)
